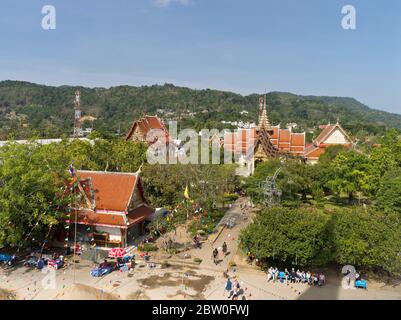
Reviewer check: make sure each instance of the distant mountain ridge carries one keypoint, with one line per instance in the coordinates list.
(28, 109)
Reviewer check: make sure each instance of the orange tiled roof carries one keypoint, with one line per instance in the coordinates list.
(139, 214)
(112, 191)
(89, 217)
(229, 138)
(323, 135)
(145, 125)
(286, 141)
(326, 132)
(285, 136)
(240, 140)
(117, 220)
(298, 139)
(275, 134)
(318, 147)
(314, 152)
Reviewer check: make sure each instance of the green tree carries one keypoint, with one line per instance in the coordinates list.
(165, 184)
(389, 193)
(31, 193)
(289, 236)
(381, 160)
(367, 238)
(348, 174)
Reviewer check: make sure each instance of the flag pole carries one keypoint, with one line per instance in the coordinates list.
(75, 241)
(72, 171)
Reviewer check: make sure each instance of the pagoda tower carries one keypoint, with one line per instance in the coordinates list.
(264, 122)
(264, 147)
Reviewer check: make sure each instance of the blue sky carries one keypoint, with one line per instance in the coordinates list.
(245, 46)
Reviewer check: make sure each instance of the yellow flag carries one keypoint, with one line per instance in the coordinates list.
(186, 192)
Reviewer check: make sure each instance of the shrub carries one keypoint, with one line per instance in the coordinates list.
(147, 247)
(231, 196)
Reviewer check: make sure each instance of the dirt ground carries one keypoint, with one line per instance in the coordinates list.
(83, 292)
(182, 279)
(7, 295)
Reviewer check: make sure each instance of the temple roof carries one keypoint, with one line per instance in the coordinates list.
(317, 148)
(145, 124)
(327, 131)
(110, 191)
(116, 220)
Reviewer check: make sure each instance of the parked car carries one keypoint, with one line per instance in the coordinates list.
(32, 262)
(102, 271)
(360, 284)
(56, 263)
(7, 259)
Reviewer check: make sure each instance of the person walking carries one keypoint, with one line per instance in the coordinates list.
(228, 288)
(224, 249)
(269, 274)
(215, 256)
(322, 280)
(235, 287)
(274, 274)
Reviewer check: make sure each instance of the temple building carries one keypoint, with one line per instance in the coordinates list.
(331, 135)
(110, 208)
(140, 130)
(288, 142)
(264, 141)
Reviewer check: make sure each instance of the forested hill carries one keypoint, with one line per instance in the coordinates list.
(28, 109)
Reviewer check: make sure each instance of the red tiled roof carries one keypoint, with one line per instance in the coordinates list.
(139, 214)
(145, 125)
(154, 122)
(314, 152)
(89, 217)
(298, 139)
(275, 134)
(229, 138)
(286, 141)
(323, 135)
(245, 135)
(318, 147)
(327, 131)
(297, 149)
(285, 135)
(112, 191)
(240, 140)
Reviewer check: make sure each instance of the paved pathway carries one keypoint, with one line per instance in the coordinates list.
(241, 218)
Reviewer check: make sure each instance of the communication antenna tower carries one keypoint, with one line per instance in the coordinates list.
(77, 115)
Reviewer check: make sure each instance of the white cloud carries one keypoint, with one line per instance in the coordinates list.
(166, 3)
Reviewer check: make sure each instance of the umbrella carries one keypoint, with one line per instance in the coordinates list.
(117, 252)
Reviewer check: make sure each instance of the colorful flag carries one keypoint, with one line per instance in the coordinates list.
(71, 170)
(186, 192)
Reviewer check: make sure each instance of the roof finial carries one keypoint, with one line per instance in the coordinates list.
(139, 169)
(263, 118)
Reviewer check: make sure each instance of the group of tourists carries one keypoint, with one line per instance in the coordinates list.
(313, 279)
(215, 253)
(233, 290)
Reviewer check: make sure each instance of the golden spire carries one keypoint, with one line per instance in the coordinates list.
(263, 118)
